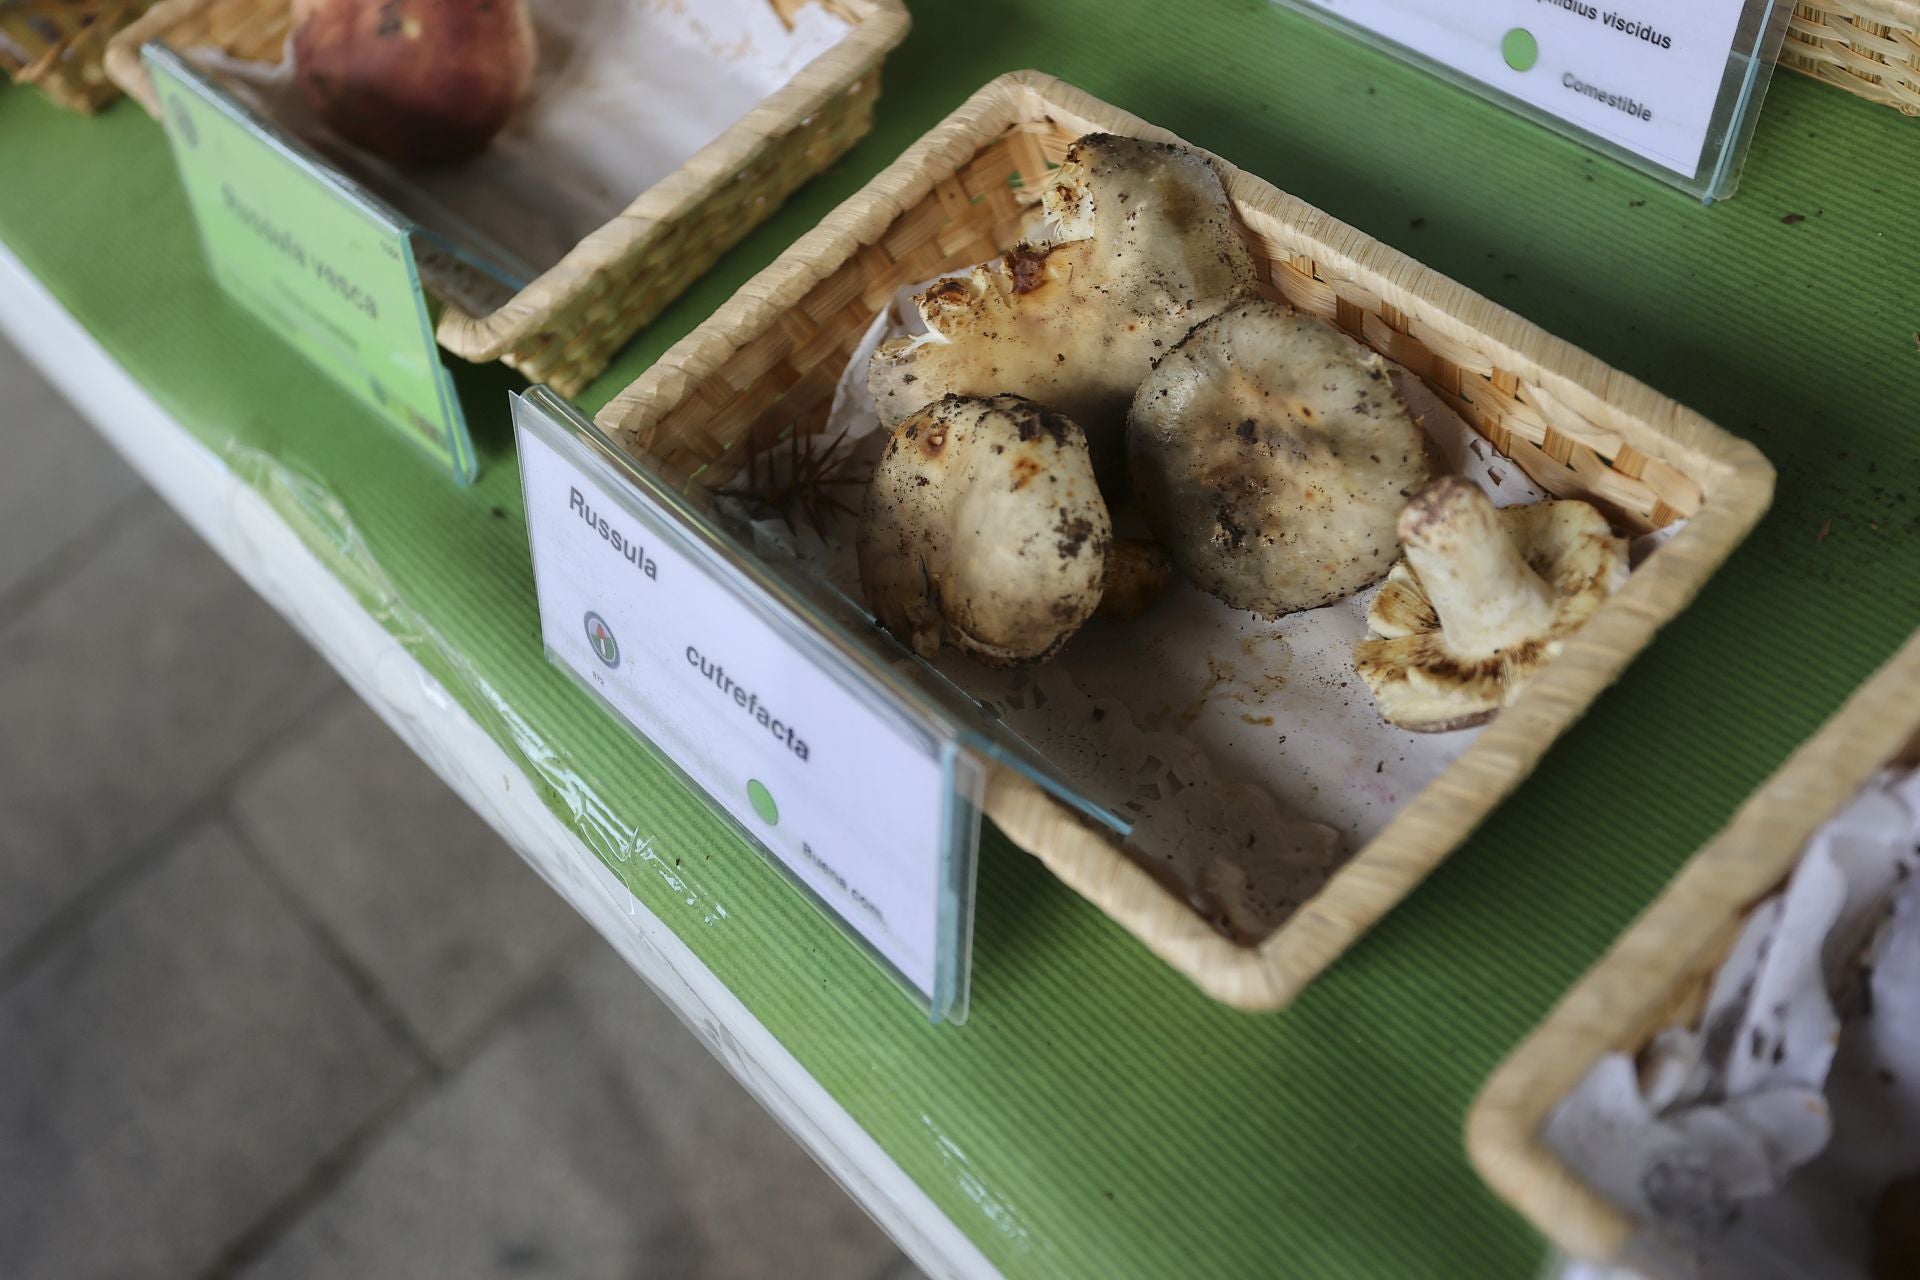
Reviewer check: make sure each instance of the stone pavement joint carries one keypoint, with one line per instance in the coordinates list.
(140, 859)
(404, 878)
(362, 983)
(20, 596)
(327, 1174)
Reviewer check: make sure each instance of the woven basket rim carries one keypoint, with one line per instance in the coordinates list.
(879, 26)
(1670, 944)
(1898, 13)
(122, 58)
(1737, 479)
(71, 69)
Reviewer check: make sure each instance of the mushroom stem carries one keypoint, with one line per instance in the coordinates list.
(1137, 572)
(1486, 594)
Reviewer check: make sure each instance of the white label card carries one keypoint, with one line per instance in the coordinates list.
(1642, 74)
(853, 803)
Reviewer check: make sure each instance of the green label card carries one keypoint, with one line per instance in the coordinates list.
(321, 261)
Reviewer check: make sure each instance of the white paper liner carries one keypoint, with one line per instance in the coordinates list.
(1758, 1142)
(623, 93)
(1247, 752)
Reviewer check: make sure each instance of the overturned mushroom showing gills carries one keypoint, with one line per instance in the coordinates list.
(983, 526)
(1484, 598)
(1144, 243)
(1272, 457)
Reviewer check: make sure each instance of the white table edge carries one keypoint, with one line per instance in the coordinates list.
(269, 555)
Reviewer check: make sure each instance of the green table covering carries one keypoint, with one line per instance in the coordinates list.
(1097, 1116)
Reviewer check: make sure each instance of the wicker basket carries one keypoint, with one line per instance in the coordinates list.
(1868, 47)
(1659, 972)
(57, 46)
(768, 361)
(565, 327)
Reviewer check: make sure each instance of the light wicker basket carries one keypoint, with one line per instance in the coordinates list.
(1658, 973)
(566, 326)
(58, 47)
(1867, 47)
(769, 359)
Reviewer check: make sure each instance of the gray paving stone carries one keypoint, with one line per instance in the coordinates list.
(760, 1202)
(591, 1136)
(173, 1068)
(420, 892)
(59, 476)
(126, 693)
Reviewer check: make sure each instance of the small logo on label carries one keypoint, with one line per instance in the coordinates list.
(1520, 49)
(182, 122)
(762, 801)
(600, 636)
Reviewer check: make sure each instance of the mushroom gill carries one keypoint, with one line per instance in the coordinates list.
(1483, 600)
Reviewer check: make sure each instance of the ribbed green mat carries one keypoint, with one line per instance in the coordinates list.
(1097, 1116)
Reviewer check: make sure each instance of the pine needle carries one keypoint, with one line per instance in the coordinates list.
(809, 486)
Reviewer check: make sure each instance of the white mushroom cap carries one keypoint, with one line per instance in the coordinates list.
(1485, 597)
(1145, 243)
(982, 525)
(1272, 457)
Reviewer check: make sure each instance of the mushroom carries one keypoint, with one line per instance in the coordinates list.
(1485, 597)
(982, 525)
(1137, 572)
(1272, 457)
(1143, 243)
(418, 82)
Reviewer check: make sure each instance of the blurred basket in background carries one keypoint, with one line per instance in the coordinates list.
(567, 325)
(1867, 47)
(1658, 974)
(59, 47)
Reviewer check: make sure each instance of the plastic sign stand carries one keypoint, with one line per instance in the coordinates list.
(1672, 89)
(772, 709)
(318, 259)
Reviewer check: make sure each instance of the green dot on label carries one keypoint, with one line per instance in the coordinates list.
(763, 802)
(1520, 49)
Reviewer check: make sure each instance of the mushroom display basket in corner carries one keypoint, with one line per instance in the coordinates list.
(766, 366)
(1657, 977)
